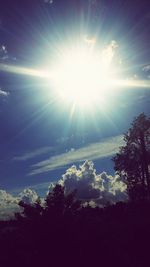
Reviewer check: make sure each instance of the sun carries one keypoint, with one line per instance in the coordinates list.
(80, 73)
(83, 75)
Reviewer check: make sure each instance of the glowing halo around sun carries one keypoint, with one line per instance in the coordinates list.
(83, 75)
(80, 75)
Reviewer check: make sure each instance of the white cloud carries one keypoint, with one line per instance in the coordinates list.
(32, 154)
(3, 93)
(108, 147)
(3, 53)
(8, 205)
(146, 68)
(6, 198)
(28, 196)
(98, 189)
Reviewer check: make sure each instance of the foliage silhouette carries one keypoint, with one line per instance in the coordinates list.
(60, 204)
(133, 160)
(31, 210)
(62, 232)
(116, 235)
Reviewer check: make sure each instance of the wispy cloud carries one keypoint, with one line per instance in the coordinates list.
(108, 147)
(146, 68)
(3, 93)
(32, 154)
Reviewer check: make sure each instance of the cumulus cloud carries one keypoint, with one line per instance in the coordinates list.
(6, 197)
(92, 188)
(108, 147)
(28, 196)
(8, 205)
(32, 154)
(98, 189)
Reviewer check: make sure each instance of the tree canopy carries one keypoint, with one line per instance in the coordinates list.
(133, 160)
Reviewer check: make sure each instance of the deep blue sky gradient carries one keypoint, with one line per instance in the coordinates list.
(28, 118)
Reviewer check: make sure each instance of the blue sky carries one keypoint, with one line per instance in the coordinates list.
(38, 137)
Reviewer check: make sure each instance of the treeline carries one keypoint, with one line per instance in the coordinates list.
(66, 234)
(62, 231)
(133, 159)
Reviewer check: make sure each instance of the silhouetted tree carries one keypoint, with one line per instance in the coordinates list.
(133, 159)
(30, 211)
(60, 203)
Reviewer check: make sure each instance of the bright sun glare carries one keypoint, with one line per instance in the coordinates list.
(82, 75)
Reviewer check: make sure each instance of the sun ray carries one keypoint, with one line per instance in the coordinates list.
(23, 70)
(81, 76)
